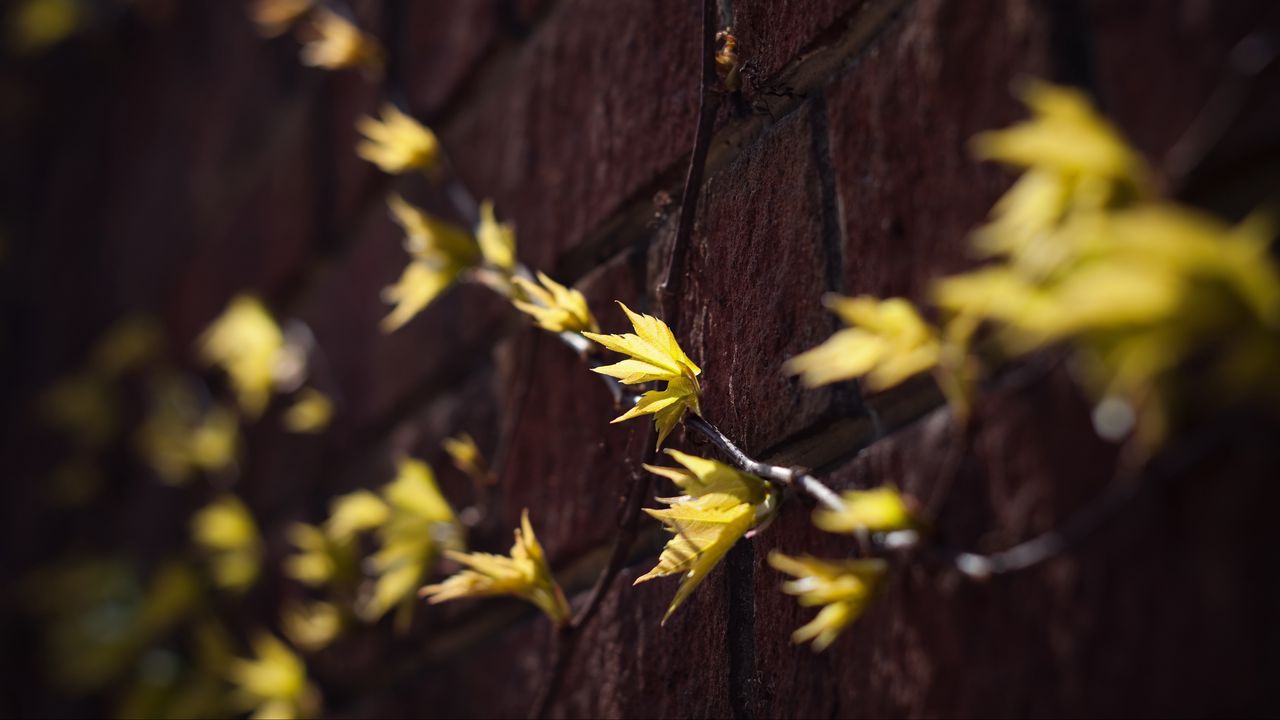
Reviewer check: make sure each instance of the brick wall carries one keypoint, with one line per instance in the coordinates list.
(166, 161)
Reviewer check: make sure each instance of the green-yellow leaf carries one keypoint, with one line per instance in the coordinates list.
(880, 510)
(887, 342)
(652, 344)
(719, 506)
(553, 306)
(841, 587)
(497, 240)
(524, 574)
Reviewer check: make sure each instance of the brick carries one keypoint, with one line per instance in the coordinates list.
(261, 244)
(1157, 66)
(755, 272)
(497, 676)
(901, 119)
(628, 665)
(1046, 641)
(598, 103)
(444, 43)
(377, 372)
(772, 34)
(566, 462)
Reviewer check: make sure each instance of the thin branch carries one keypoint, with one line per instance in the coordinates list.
(564, 640)
(708, 104)
(795, 478)
(1123, 487)
(1248, 58)
(668, 291)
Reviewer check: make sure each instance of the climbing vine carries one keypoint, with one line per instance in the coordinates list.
(1163, 313)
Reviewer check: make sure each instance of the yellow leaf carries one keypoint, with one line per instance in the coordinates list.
(311, 626)
(653, 346)
(887, 342)
(879, 510)
(497, 240)
(719, 506)
(314, 564)
(246, 342)
(417, 287)
(275, 17)
(1066, 135)
(274, 682)
(842, 587)
(439, 243)
(414, 491)
(1077, 163)
(654, 355)
(1200, 247)
(418, 525)
(226, 531)
(467, 458)
(178, 438)
(338, 44)
(36, 25)
(398, 144)
(553, 306)
(667, 406)
(310, 413)
(440, 251)
(355, 513)
(524, 574)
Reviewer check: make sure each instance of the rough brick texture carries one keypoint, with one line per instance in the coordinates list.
(169, 158)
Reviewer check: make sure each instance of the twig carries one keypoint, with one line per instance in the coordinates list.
(963, 432)
(564, 640)
(792, 477)
(1248, 58)
(1134, 468)
(668, 291)
(708, 103)
(1123, 487)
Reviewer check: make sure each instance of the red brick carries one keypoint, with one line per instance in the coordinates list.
(375, 371)
(598, 103)
(444, 42)
(756, 269)
(773, 33)
(628, 665)
(490, 677)
(1157, 66)
(1091, 632)
(566, 462)
(901, 120)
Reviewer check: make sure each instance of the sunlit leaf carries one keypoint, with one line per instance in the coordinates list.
(882, 509)
(524, 574)
(398, 143)
(275, 17)
(310, 412)
(247, 343)
(886, 341)
(841, 587)
(497, 240)
(337, 43)
(654, 356)
(554, 307)
(719, 506)
(273, 683)
(226, 531)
